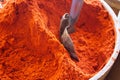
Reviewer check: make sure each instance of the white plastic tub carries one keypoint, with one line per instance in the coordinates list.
(104, 71)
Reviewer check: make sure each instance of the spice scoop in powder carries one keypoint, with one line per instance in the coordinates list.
(65, 38)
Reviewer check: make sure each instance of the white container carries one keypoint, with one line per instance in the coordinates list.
(119, 18)
(105, 70)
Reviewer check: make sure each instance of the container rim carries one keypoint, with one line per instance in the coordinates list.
(104, 71)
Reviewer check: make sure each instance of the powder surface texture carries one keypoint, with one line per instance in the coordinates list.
(29, 40)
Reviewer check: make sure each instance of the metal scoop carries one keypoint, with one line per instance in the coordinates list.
(65, 38)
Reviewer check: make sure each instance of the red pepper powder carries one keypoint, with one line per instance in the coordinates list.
(29, 40)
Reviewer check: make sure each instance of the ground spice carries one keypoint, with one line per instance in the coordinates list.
(30, 47)
(94, 38)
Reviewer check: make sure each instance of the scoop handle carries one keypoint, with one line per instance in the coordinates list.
(75, 10)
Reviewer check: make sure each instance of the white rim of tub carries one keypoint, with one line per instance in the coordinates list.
(104, 71)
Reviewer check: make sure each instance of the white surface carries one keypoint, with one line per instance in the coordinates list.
(102, 73)
(1, 6)
(119, 19)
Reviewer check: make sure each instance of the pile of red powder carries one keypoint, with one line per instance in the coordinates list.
(29, 40)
